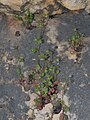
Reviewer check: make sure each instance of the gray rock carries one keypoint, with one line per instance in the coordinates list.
(76, 4)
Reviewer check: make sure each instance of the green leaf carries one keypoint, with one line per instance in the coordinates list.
(27, 13)
(52, 69)
(42, 74)
(48, 52)
(45, 89)
(57, 71)
(36, 100)
(36, 89)
(49, 83)
(38, 40)
(45, 15)
(37, 67)
(34, 50)
(18, 71)
(41, 56)
(57, 59)
(49, 77)
(42, 85)
(46, 70)
(18, 17)
(29, 17)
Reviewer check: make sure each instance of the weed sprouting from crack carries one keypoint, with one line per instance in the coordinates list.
(42, 79)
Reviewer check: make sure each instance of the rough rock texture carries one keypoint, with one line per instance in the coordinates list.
(78, 73)
(19, 6)
(76, 4)
(88, 6)
(15, 4)
(14, 102)
(52, 6)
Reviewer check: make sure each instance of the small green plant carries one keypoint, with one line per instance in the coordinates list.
(45, 14)
(26, 19)
(38, 40)
(34, 50)
(39, 24)
(76, 39)
(18, 17)
(44, 80)
(43, 77)
(19, 73)
(21, 59)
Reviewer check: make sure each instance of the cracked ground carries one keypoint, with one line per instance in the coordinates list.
(13, 47)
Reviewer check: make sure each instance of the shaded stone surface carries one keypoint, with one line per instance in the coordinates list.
(12, 102)
(78, 74)
(74, 4)
(12, 98)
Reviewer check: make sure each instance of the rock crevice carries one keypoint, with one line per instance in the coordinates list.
(19, 6)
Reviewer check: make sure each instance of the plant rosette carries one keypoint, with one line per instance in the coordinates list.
(76, 40)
